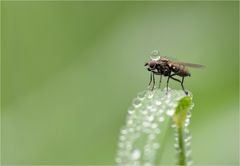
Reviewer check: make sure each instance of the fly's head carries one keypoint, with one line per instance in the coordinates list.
(151, 65)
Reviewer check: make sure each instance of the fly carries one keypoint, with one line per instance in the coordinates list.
(169, 68)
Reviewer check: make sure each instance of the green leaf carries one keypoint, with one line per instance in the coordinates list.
(142, 137)
(181, 111)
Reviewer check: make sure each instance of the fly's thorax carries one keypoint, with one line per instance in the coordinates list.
(165, 69)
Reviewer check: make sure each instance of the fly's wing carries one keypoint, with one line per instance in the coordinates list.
(188, 64)
(176, 63)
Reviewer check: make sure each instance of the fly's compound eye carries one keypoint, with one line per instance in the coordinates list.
(152, 65)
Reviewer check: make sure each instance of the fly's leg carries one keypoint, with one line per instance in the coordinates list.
(175, 79)
(168, 81)
(160, 81)
(183, 86)
(153, 78)
(169, 76)
(150, 79)
(181, 82)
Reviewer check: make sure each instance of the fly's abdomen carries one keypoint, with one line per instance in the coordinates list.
(183, 73)
(180, 70)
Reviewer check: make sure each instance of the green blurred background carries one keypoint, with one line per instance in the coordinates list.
(69, 71)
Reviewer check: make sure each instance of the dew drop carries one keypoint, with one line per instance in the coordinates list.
(170, 112)
(137, 103)
(176, 146)
(129, 122)
(121, 145)
(188, 138)
(141, 95)
(156, 145)
(138, 128)
(155, 55)
(176, 138)
(146, 147)
(131, 130)
(188, 153)
(191, 107)
(150, 95)
(144, 112)
(160, 111)
(136, 154)
(167, 101)
(131, 110)
(150, 118)
(122, 138)
(154, 125)
(161, 119)
(147, 164)
(146, 124)
(152, 136)
(118, 160)
(124, 131)
(158, 102)
(153, 110)
(189, 114)
(189, 163)
(128, 145)
(149, 107)
(158, 131)
(163, 107)
(188, 144)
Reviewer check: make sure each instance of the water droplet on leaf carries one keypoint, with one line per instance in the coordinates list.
(137, 103)
(136, 154)
(141, 95)
(170, 112)
(161, 119)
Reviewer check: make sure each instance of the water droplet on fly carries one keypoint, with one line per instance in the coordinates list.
(155, 55)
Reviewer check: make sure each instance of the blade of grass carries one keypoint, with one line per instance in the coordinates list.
(147, 124)
(181, 119)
